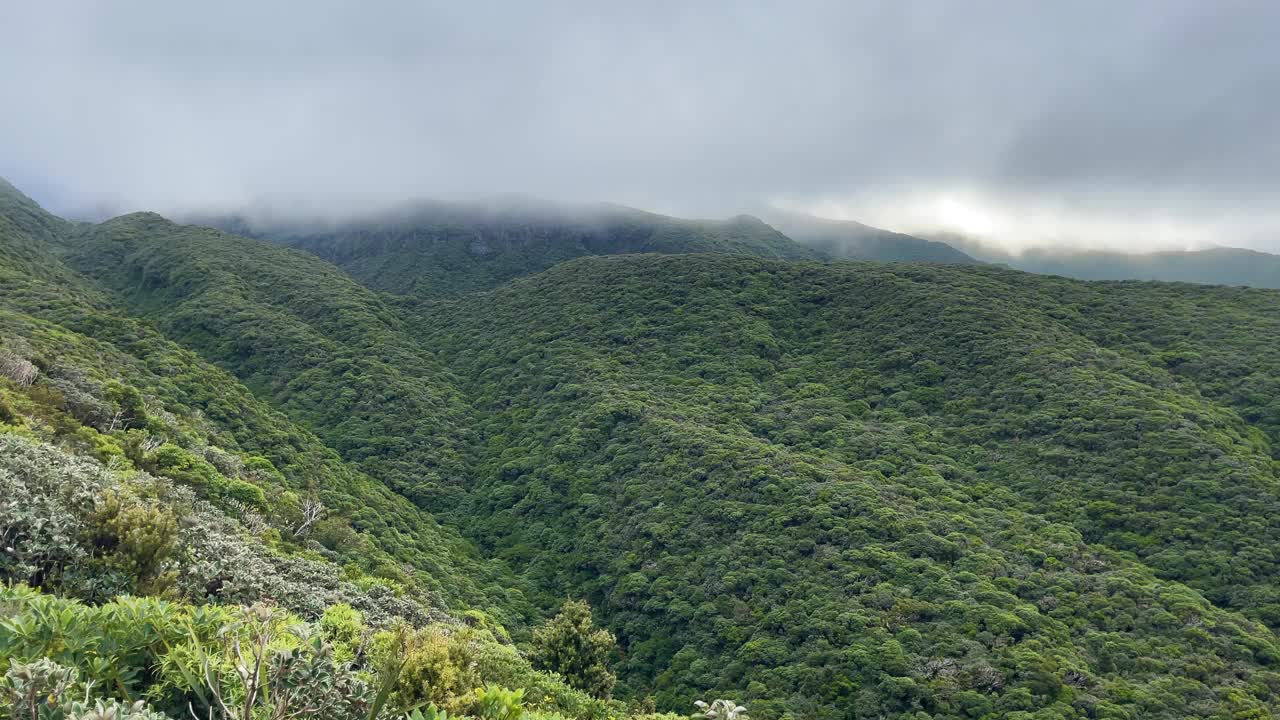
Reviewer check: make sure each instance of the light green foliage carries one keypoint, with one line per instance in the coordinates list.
(235, 658)
(570, 645)
(430, 712)
(494, 702)
(184, 466)
(230, 661)
(115, 646)
(342, 626)
(443, 665)
(428, 673)
(265, 664)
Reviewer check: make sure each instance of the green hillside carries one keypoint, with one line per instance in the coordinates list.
(776, 476)
(821, 489)
(850, 240)
(432, 249)
(81, 342)
(131, 467)
(1212, 266)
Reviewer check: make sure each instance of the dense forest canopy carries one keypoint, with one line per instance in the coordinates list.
(431, 249)
(815, 487)
(435, 249)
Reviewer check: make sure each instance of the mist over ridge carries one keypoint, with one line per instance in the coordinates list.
(1126, 127)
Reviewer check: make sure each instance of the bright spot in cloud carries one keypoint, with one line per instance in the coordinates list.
(963, 218)
(1022, 223)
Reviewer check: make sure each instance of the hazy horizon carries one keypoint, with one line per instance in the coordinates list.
(1139, 126)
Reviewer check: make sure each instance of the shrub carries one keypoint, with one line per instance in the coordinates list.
(44, 494)
(7, 413)
(174, 462)
(135, 539)
(428, 673)
(342, 626)
(494, 702)
(183, 466)
(265, 664)
(130, 408)
(17, 368)
(38, 690)
(45, 690)
(570, 645)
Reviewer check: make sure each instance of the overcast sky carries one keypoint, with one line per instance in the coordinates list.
(1123, 123)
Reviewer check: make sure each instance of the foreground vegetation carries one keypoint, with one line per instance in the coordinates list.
(820, 489)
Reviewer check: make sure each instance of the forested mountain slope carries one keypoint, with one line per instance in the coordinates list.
(1211, 266)
(733, 449)
(855, 241)
(175, 530)
(434, 248)
(297, 331)
(81, 341)
(826, 490)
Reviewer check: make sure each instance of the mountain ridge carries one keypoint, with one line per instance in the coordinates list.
(432, 248)
(1209, 266)
(853, 240)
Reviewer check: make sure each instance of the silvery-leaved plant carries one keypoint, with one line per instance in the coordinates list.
(722, 710)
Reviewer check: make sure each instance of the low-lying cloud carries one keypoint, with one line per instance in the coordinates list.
(1127, 125)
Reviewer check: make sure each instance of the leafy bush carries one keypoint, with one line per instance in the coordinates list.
(494, 702)
(571, 646)
(135, 539)
(183, 466)
(44, 498)
(44, 690)
(342, 626)
(256, 659)
(428, 671)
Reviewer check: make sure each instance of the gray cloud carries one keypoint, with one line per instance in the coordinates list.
(1123, 124)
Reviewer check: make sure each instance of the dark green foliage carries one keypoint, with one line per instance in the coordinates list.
(326, 350)
(823, 490)
(84, 343)
(570, 645)
(894, 489)
(134, 538)
(855, 241)
(438, 249)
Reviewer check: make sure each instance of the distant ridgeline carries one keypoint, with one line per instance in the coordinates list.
(816, 487)
(432, 249)
(1212, 266)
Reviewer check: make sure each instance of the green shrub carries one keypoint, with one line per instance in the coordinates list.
(38, 690)
(178, 464)
(428, 672)
(494, 702)
(130, 405)
(44, 495)
(45, 690)
(342, 626)
(7, 413)
(570, 645)
(134, 538)
(186, 467)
